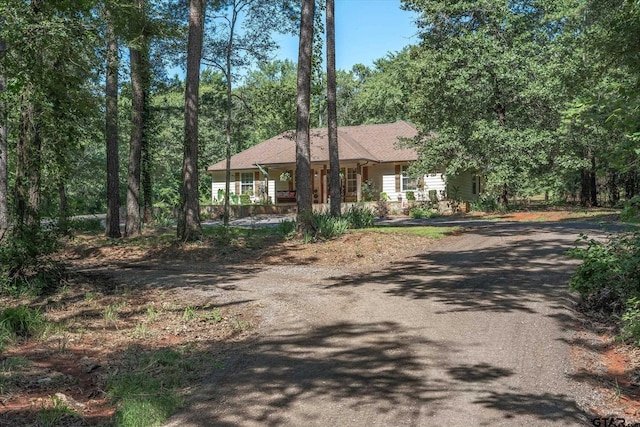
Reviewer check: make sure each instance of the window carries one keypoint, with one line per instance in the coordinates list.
(246, 182)
(475, 186)
(352, 185)
(408, 183)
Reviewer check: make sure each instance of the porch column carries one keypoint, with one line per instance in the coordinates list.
(358, 182)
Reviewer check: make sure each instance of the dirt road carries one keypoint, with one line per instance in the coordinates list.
(476, 331)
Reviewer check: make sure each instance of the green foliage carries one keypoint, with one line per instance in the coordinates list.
(369, 191)
(487, 202)
(631, 210)
(245, 198)
(328, 226)
(24, 262)
(19, 322)
(610, 272)
(411, 196)
(359, 216)
(630, 329)
(419, 212)
(86, 225)
(286, 229)
(486, 87)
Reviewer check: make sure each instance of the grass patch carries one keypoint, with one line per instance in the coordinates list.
(146, 390)
(57, 413)
(19, 322)
(427, 231)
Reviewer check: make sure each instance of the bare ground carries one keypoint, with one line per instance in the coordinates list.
(369, 329)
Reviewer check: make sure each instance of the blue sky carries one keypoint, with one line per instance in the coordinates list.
(366, 30)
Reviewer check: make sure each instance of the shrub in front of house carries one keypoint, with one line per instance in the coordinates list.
(359, 216)
(419, 212)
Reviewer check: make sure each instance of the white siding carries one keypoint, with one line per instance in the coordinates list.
(435, 181)
(272, 190)
(384, 177)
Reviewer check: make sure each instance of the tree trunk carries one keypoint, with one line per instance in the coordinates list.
(332, 116)
(29, 153)
(139, 64)
(303, 101)
(133, 225)
(227, 127)
(4, 210)
(584, 187)
(614, 189)
(147, 188)
(63, 218)
(189, 227)
(593, 184)
(111, 132)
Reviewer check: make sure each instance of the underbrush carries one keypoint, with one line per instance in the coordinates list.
(26, 266)
(608, 280)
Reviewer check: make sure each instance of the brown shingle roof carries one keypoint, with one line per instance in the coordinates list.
(375, 143)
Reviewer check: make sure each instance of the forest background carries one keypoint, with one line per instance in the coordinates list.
(539, 96)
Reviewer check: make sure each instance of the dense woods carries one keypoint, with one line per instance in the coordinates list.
(539, 96)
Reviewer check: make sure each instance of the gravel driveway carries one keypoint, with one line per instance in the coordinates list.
(476, 331)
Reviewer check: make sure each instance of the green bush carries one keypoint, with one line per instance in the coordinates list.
(327, 226)
(419, 212)
(630, 329)
(245, 198)
(609, 279)
(411, 196)
(287, 228)
(486, 202)
(86, 225)
(19, 322)
(359, 216)
(24, 265)
(610, 271)
(631, 210)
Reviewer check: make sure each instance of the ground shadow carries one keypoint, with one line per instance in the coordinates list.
(517, 270)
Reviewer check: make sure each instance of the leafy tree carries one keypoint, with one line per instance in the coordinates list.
(268, 99)
(485, 88)
(381, 94)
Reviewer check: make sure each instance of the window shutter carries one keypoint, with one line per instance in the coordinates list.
(398, 177)
(237, 183)
(365, 173)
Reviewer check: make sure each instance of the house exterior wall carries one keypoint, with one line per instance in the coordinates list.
(386, 174)
(462, 186)
(383, 175)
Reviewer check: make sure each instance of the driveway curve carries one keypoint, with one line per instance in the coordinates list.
(475, 331)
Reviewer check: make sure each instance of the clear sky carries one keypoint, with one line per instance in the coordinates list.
(366, 30)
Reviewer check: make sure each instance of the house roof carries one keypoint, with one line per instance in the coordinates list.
(375, 143)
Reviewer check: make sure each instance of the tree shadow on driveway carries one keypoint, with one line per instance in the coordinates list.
(511, 274)
(343, 365)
